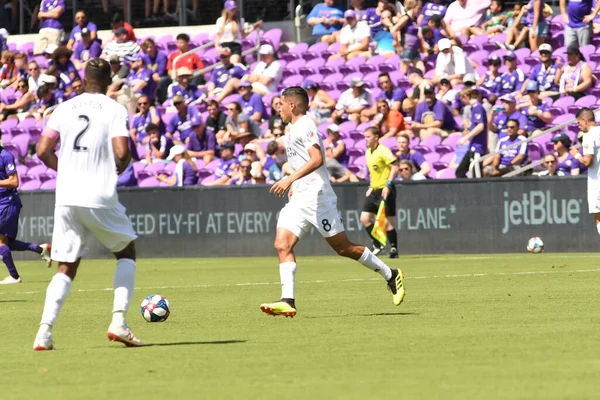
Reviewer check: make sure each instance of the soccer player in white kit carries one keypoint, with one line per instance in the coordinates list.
(312, 202)
(590, 158)
(94, 145)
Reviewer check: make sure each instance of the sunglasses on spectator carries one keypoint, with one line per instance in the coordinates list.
(245, 167)
(545, 52)
(405, 169)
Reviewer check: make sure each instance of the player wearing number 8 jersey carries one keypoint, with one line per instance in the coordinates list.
(312, 202)
(93, 132)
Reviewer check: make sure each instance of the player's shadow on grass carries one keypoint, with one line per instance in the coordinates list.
(13, 301)
(195, 343)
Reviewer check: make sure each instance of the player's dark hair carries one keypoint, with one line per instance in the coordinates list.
(151, 127)
(299, 95)
(384, 75)
(184, 37)
(42, 91)
(586, 114)
(272, 147)
(97, 75)
(516, 121)
(374, 130)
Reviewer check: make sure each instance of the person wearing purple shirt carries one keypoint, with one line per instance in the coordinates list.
(82, 23)
(431, 8)
(127, 178)
(506, 160)
(10, 208)
(406, 153)
(372, 16)
(394, 96)
(148, 114)
(492, 80)
(85, 49)
(432, 117)
(509, 111)
(186, 121)
(537, 24)
(155, 60)
(252, 104)
(411, 42)
(51, 29)
(140, 79)
(228, 164)
(565, 160)
(186, 171)
(202, 143)
(184, 88)
(578, 16)
(225, 79)
(475, 136)
(535, 110)
(512, 80)
(547, 73)
(158, 146)
(246, 177)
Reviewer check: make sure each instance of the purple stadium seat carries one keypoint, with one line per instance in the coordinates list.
(349, 143)
(431, 141)
(334, 93)
(347, 126)
(207, 180)
(22, 143)
(7, 125)
(26, 123)
(390, 143)
(318, 78)
(143, 174)
(137, 167)
(362, 127)
(361, 144)
(273, 37)
(442, 149)
(448, 173)
(310, 67)
(561, 119)
(432, 173)
(22, 170)
(432, 157)
(356, 134)
(294, 80)
(37, 170)
(447, 158)
(46, 176)
(438, 166)
(535, 151)
(295, 65)
(479, 40)
(348, 77)
(212, 165)
(375, 60)
(354, 153)
(155, 167)
(299, 48)
(422, 149)
(149, 182)
(31, 185)
(451, 140)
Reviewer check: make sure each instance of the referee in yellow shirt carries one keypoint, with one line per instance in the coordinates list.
(383, 168)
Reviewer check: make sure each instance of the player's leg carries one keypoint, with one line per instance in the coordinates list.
(9, 227)
(390, 230)
(43, 249)
(6, 256)
(367, 217)
(597, 220)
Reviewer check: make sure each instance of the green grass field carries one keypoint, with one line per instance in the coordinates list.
(471, 327)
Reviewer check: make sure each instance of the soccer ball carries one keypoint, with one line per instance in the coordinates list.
(155, 308)
(535, 245)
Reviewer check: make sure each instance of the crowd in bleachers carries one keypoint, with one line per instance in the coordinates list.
(444, 84)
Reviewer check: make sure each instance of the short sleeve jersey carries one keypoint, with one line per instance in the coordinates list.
(315, 187)
(87, 175)
(591, 146)
(378, 162)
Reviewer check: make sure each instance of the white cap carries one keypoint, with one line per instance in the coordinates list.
(175, 151)
(545, 47)
(444, 44)
(333, 128)
(45, 78)
(251, 147)
(50, 48)
(266, 49)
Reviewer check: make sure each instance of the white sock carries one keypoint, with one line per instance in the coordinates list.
(371, 261)
(56, 294)
(287, 274)
(123, 284)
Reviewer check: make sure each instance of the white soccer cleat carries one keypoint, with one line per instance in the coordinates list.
(43, 341)
(123, 334)
(10, 280)
(46, 250)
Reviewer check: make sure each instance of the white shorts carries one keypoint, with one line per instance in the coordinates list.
(323, 216)
(73, 225)
(594, 201)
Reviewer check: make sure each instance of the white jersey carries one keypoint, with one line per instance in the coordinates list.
(591, 145)
(87, 175)
(314, 187)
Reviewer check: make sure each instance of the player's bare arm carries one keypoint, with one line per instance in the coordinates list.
(314, 162)
(12, 182)
(45, 151)
(122, 152)
(393, 173)
(587, 159)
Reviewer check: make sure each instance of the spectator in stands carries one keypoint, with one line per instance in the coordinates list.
(534, 109)
(138, 82)
(275, 151)
(216, 121)
(77, 86)
(352, 102)
(34, 80)
(251, 103)
(435, 7)
(127, 178)
(494, 23)
(578, 16)
(374, 16)
(507, 160)
(321, 104)
(82, 22)
(184, 87)
(8, 72)
(51, 29)
(446, 92)
(418, 83)
(186, 121)
(408, 172)
(122, 46)
(21, 65)
(226, 78)
(192, 61)
(458, 104)
(336, 157)
(119, 22)
(156, 61)
(565, 162)
(432, 117)
(268, 73)
(451, 61)
(499, 117)
(158, 146)
(550, 164)
(406, 31)
(118, 70)
(244, 177)
(409, 107)
(147, 114)
(415, 157)
(547, 73)
(389, 122)
(228, 165)
(326, 20)
(202, 144)
(533, 26)
(255, 154)
(3, 36)
(85, 49)
(61, 58)
(393, 95)
(384, 38)
(46, 99)
(275, 120)
(185, 173)
(239, 124)
(354, 38)
(463, 14)
(512, 80)
(476, 136)
(230, 31)
(577, 78)
(62, 84)
(20, 108)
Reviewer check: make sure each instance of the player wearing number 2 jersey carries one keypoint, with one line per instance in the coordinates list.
(94, 136)
(312, 202)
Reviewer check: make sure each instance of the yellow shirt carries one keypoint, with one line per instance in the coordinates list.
(378, 162)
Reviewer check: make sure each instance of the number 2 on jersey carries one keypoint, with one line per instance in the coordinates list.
(76, 145)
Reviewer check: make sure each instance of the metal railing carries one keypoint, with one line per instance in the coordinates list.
(527, 140)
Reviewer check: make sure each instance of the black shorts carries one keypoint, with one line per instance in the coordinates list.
(235, 47)
(373, 201)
